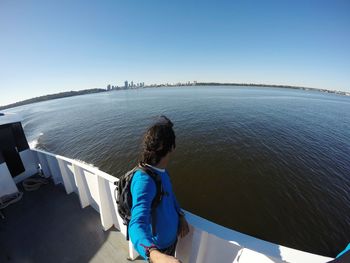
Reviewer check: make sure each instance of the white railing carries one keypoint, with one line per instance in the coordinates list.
(206, 242)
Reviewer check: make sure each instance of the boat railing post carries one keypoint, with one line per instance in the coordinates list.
(81, 185)
(54, 168)
(44, 164)
(201, 237)
(66, 180)
(132, 252)
(105, 206)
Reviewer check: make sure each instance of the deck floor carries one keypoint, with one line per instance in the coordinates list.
(48, 225)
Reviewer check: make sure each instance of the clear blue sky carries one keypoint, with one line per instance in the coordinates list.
(52, 46)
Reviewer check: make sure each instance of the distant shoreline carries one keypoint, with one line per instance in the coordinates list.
(343, 93)
(91, 91)
(51, 97)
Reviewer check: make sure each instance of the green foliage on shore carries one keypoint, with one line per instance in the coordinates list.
(52, 97)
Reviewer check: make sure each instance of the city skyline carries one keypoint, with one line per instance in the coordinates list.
(55, 47)
(141, 85)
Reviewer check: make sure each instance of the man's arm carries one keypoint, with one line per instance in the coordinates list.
(143, 191)
(158, 257)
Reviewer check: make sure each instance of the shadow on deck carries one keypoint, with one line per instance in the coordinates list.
(48, 225)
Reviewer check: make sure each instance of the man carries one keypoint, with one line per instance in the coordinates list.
(159, 247)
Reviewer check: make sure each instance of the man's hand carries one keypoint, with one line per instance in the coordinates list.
(156, 256)
(183, 227)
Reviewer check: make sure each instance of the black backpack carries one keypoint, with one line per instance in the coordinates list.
(123, 196)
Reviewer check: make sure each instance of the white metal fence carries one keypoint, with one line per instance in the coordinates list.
(206, 242)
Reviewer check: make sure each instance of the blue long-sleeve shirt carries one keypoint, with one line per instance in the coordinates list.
(143, 191)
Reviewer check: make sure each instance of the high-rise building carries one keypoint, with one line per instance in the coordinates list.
(109, 87)
(132, 84)
(126, 84)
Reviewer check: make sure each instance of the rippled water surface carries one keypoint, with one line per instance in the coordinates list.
(272, 163)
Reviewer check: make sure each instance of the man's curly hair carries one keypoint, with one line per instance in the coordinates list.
(158, 140)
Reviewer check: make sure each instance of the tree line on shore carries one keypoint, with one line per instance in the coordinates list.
(51, 97)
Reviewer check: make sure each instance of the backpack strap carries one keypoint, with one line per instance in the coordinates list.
(159, 195)
(123, 185)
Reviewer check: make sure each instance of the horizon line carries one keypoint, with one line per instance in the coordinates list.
(188, 83)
